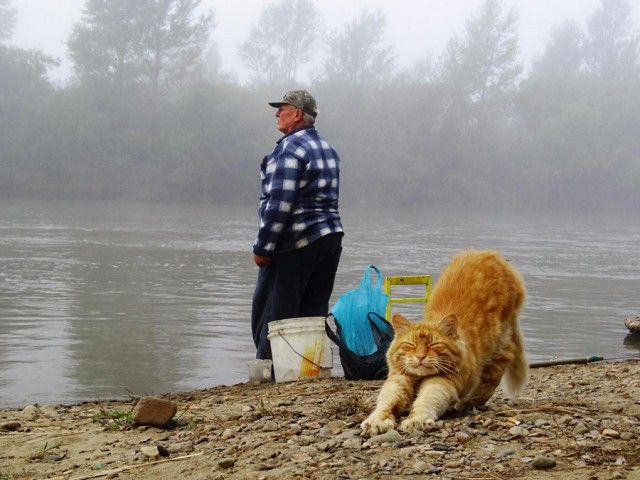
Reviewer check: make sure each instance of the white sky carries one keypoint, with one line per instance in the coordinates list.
(414, 27)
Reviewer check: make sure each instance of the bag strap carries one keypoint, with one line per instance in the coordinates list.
(366, 278)
(331, 334)
(379, 335)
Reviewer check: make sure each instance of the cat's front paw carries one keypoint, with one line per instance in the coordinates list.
(424, 424)
(375, 425)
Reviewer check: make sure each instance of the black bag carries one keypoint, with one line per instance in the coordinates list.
(364, 367)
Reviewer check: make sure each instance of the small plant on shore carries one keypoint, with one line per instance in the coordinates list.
(266, 409)
(347, 406)
(187, 424)
(45, 450)
(114, 419)
(263, 408)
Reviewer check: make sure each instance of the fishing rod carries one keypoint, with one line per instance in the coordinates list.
(566, 361)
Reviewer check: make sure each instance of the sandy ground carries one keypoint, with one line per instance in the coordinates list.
(573, 422)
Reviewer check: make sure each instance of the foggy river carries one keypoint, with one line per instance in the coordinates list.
(102, 300)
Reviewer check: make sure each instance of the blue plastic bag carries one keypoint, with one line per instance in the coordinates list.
(352, 310)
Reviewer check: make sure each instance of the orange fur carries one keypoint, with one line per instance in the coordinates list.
(457, 356)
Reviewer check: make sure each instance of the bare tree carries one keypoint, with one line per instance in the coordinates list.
(282, 41)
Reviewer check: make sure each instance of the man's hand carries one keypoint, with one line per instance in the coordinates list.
(261, 260)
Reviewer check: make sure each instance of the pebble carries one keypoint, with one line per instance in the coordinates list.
(227, 463)
(183, 447)
(420, 466)
(227, 434)
(518, 431)
(440, 447)
(10, 427)
(52, 458)
(31, 411)
(580, 429)
(391, 436)
(270, 426)
(543, 463)
(352, 443)
(151, 452)
(609, 432)
(507, 452)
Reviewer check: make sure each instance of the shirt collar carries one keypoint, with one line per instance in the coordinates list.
(292, 132)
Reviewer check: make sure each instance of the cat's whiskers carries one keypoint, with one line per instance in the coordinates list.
(400, 366)
(447, 367)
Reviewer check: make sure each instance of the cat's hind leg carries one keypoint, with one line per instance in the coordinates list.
(435, 396)
(395, 398)
(489, 381)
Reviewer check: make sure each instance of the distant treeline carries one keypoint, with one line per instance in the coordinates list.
(149, 115)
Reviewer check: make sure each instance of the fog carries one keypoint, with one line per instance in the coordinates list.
(414, 27)
(481, 105)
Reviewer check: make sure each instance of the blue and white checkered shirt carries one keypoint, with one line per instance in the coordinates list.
(299, 193)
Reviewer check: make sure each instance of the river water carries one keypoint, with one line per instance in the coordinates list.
(107, 300)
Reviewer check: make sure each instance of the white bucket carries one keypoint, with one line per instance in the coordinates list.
(300, 349)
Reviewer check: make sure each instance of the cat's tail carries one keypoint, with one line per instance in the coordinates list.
(517, 372)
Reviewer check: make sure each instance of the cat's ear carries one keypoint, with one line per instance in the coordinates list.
(400, 323)
(449, 325)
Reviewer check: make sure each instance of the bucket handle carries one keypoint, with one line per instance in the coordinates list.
(300, 355)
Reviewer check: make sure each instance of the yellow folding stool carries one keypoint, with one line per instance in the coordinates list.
(406, 280)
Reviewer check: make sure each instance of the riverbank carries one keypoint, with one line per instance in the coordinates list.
(573, 422)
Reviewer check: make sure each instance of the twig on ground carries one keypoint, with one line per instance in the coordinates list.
(104, 473)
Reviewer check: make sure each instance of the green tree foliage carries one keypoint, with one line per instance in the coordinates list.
(482, 65)
(130, 59)
(7, 19)
(282, 41)
(564, 52)
(24, 90)
(613, 46)
(357, 54)
(580, 142)
(152, 43)
(478, 79)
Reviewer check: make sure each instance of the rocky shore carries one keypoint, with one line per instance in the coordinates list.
(572, 422)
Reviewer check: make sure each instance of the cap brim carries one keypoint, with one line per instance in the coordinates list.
(278, 104)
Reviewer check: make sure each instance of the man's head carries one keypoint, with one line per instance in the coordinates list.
(296, 109)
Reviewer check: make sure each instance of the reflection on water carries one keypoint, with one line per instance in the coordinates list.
(632, 341)
(103, 300)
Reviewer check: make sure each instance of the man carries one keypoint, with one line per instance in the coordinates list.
(299, 241)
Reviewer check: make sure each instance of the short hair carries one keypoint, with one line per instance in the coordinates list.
(311, 119)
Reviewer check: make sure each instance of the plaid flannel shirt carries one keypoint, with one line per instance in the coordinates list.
(299, 193)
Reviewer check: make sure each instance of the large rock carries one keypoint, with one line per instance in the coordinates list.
(633, 324)
(154, 411)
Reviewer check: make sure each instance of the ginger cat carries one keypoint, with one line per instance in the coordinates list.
(456, 357)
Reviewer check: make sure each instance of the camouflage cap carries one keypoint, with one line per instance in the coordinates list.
(300, 99)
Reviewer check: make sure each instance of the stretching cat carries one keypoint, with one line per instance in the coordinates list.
(457, 356)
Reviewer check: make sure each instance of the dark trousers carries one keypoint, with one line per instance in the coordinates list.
(296, 284)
